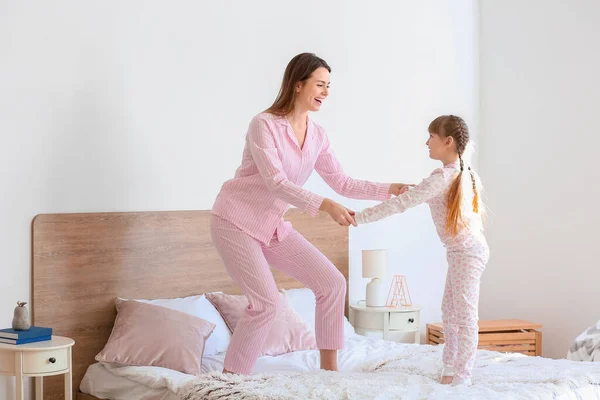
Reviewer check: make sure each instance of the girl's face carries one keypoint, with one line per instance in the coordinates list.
(311, 93)
(440, 147)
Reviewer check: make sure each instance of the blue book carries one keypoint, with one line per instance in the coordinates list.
(24, 341)
(33, 332)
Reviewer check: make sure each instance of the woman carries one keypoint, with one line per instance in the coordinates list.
(283, 146)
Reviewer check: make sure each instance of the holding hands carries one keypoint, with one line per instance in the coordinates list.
(338, 212)
(398, 188)
(345, 216)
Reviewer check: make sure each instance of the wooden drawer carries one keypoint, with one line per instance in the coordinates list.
(368, 321)
(45, 361)
(405, 321)
(513, 336)
(7, 362)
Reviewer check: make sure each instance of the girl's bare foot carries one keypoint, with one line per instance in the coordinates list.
(447, 375)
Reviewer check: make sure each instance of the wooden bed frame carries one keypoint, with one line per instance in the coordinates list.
(82, 262)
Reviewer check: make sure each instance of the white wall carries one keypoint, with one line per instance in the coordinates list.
(138, 105)
(416, 62)
(539, 117)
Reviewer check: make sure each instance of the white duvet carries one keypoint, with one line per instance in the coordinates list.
(376, 369)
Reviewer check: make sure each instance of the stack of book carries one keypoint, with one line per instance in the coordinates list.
(32, 335)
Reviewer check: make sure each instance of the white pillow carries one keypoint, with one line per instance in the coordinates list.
(199, 306)
(304, 302)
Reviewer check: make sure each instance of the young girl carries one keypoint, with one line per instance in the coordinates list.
(452, 193)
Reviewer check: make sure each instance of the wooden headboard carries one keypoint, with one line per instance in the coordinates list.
(82, 262)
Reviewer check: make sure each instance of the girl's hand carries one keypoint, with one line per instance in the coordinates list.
(338, 212)
(398, 188)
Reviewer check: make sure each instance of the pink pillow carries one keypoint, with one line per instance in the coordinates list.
(289, 332)
(149, 335)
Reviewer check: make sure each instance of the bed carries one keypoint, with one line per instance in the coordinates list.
(82, 262)
(411, 373)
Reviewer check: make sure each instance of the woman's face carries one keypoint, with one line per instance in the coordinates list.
(311, 93)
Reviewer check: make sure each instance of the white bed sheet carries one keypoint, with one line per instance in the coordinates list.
(101, 383)
(108, 381)
(150, 383)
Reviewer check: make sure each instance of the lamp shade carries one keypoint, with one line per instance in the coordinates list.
(374, 263)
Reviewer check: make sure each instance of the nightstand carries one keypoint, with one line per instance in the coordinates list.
(50, 357)
(403, 319)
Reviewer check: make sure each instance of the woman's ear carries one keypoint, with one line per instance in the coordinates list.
(298, 87)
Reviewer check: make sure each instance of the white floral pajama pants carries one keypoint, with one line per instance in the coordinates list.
(460, 308)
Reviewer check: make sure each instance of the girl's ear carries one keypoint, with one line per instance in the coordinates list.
(449, 141)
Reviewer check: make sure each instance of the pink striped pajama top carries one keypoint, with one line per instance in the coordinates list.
(272, 173)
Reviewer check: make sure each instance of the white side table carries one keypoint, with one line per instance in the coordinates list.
(51, 357)
(386, 320)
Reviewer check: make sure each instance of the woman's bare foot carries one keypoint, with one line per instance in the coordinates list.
(446, 380)
(329, 360)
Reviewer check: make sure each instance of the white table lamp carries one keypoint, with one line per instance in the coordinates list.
(374, 265)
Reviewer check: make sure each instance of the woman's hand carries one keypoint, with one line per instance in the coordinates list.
(338, 212)
(398, 188)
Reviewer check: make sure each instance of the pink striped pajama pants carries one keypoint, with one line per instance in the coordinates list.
(460, 306)
(247, 260)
